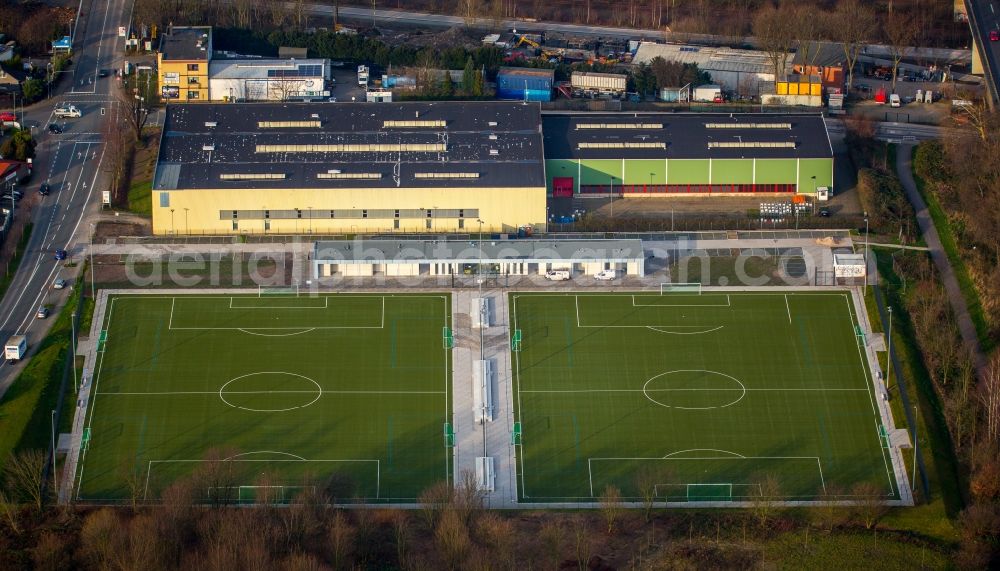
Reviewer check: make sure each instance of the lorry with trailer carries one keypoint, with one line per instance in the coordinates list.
(16, 348)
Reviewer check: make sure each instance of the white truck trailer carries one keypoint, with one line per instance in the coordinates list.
(599, 83)
(15, 348)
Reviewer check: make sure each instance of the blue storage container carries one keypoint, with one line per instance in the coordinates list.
(525, 83)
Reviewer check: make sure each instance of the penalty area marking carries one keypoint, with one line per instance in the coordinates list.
(326, 304)
(684, 332)
(294, 458)
(305, 329)
(819, 464)
(576, 302)
(728, 303)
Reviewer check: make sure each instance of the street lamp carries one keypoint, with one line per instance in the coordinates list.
(888, 353)
(93, 290)
(611, 196)
(866, 253)
(55, 477)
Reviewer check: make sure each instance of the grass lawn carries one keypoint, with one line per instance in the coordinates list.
(700, 397)
(140, 197)
(26, 406)
(348, 393)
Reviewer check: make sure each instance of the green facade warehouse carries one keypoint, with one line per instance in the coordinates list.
(672, 154)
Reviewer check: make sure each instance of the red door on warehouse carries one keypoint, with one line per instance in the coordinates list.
(562, 187)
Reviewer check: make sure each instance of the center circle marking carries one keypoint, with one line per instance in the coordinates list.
(315, 396)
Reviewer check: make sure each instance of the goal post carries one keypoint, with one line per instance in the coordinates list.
(685, 287)
(286, 291)
(710, 492)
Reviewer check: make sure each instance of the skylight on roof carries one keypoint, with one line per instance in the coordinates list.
(751, 144)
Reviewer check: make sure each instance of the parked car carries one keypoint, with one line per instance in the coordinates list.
(8, 117)
(43, 312)
(60, 254)
(44, 189)
(103, 73)
(606, 275)
(824, 212)
(59, 283)
(557, 275)
(995, 35)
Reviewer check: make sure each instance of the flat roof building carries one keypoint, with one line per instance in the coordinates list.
(182, 63)
(266, 79)
(349, 167)
(357, 258)
(675, 153)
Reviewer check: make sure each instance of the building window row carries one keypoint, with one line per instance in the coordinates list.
(350, 213)
(689, 188)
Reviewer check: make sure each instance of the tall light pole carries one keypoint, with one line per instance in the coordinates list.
(866, 253)
(611, 196)
(888, 353)
(72, 347)
(55, 477)
(93, 289)
(913, 477)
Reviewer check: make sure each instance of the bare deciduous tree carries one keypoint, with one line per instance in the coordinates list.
(646, 480)
(10, 511)
(990, 396)
(611, 506)
(341, 540)
(764, 499)
(50, 552)
(451, 536)
(852, 26)
(553, 537)
(102, 538)
(498, 534)
(433, 500)
(869, 503)
(135, 481)
(773, 28)
(900, 34)
(24, 475)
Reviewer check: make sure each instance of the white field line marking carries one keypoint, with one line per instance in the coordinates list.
(170, 325)
(92, 401)
(346, 392)
(378, 467)
(731, 458)
(576, 300)
(684, 332)
(869, 385)
(326, 304)
(735, 454)
(789, 309)
(277, 334)
(727, 304)
(681, 390)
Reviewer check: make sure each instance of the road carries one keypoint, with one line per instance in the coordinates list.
(984, 16)
(71, 163)
(404, 18)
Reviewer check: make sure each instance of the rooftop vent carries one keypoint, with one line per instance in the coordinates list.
(208, 147)
(211, 124)
(494, 152)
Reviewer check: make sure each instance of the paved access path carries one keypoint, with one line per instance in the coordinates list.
(947, 273)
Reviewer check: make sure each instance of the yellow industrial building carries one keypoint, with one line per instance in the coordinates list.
(182, 63)
(337, 168)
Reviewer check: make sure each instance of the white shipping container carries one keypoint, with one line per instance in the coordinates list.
(609, 82)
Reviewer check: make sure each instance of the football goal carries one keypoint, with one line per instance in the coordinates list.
(285, 291)
(687, 287)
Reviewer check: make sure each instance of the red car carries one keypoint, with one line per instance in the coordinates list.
(994, 35)
(8, 117)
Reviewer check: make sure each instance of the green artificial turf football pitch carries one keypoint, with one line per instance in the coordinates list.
(344, 393)
(694, 397)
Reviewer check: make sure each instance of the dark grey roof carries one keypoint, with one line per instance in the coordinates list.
(203, 142)
(821, 54)
(493, 251)
(182, 43)
(685, 136)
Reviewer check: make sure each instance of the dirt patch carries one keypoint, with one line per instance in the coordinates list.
(110, 230)
(199, 270)
(450, 38)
